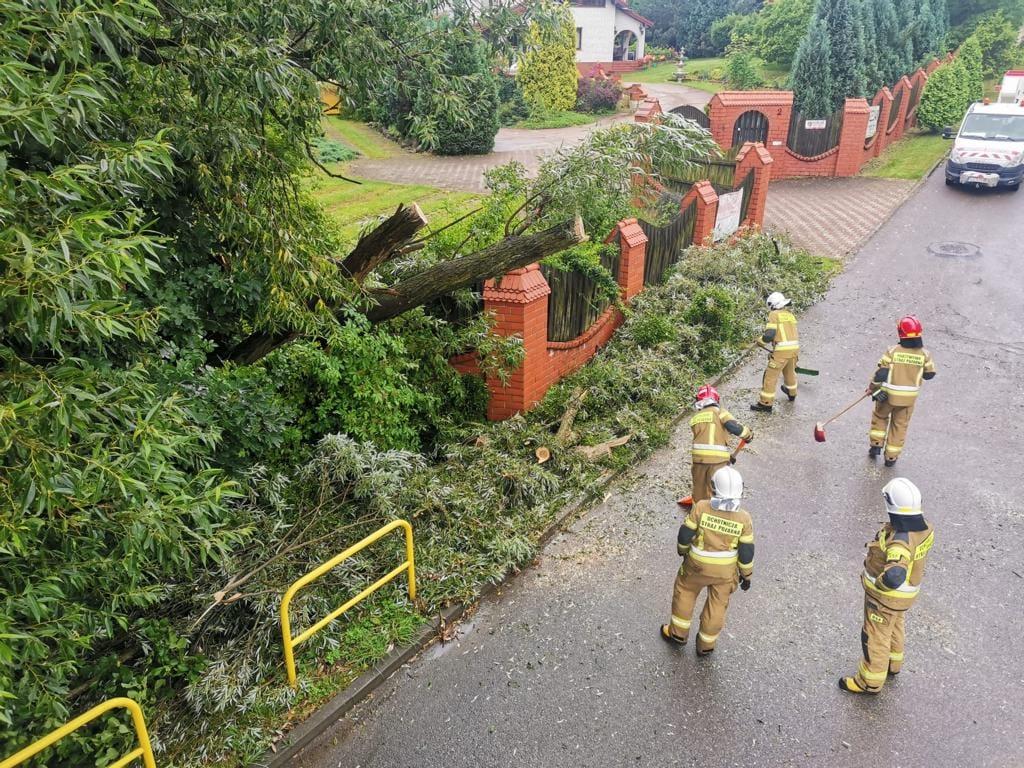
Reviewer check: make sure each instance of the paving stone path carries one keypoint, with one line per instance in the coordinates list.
(833, 217)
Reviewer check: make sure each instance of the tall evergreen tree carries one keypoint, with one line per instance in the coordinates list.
(887, 39)
(847, 45)
(905, 13)
(813, 91)
(925, 34)
(872, 54)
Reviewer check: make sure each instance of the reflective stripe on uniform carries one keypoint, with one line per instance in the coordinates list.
(877, 434)
(870, 676)
(899, 389)
(784, 345)
(680, 623)
(704, 450)
(896, 656)
(707, 638)
(902, 591)
(714, 558)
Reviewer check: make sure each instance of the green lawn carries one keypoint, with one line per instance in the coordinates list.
(702, 74)
(910, 158)
(352, 206)
(560, 120)
(360, 137)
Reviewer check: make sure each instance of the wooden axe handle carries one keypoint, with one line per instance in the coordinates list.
(739, 449)
(848, 408)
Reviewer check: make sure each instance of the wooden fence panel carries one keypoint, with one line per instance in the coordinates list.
(576, 302)
(814, 141)
(666, 244)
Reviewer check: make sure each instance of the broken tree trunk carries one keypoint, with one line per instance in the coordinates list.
(445, 278)
(384, 242)
(492, 261)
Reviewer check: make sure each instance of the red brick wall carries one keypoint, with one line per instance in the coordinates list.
(519, 300)
(845, 160)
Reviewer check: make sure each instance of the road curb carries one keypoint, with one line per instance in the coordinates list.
(306, 732)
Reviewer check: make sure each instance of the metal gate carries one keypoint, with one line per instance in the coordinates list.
(750, 126)
(696, 114)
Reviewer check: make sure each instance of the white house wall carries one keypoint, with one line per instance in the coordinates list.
(622, 21)
(598, 32)
(600, 26)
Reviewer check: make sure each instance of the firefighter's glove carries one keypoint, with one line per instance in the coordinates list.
(732, 459)
(744, 584)
(880, 396)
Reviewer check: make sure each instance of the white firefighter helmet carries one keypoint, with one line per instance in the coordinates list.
(777, 301)
(902, 497)
(727, 485)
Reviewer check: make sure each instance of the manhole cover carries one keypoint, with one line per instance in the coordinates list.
(955, 250)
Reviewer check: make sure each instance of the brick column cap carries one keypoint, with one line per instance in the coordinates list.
(705, 190)
(759, 149)
(631, 232)
(857, 106)
(518, 286)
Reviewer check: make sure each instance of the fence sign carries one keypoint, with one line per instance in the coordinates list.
(730, 212)
(815, 125)
(873, 116)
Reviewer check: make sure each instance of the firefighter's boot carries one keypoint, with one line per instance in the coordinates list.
(761, 408)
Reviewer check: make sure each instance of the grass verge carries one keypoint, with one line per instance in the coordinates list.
(910, 158)
(360, 137)
(481, 507)
(563, 119)
(354, 206)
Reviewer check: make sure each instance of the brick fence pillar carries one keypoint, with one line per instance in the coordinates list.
(754, 158)
(648, 111)
(851, 139)
(707, 210)
(519, 301)
(884, 100)
(633, 249)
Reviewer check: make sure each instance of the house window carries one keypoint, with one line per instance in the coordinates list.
(579, 38)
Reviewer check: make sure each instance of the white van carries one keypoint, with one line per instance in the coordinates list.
(989, 148)
(1012, 89)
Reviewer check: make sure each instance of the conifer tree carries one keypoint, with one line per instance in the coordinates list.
(847, 45)
(812, 79)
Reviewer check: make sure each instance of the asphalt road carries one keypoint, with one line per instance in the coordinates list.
(565, 667)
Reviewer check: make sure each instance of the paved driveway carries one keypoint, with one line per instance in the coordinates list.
(564, 667)
(519, 144)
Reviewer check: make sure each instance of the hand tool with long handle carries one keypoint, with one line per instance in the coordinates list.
(807, 371)
(739, 449)
(819, 428)
(688, 500)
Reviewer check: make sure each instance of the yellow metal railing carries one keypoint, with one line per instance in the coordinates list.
(286, 629)
(144, 750)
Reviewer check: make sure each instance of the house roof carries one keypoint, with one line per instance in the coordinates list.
(623, 5)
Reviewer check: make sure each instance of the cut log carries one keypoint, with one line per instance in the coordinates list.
(384, 242)
(564, 433)
(492, 261)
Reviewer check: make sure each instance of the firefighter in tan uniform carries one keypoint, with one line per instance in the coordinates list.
(893, 572)
(711, 427)
(895, 388)
(716, 541)
(782, 340)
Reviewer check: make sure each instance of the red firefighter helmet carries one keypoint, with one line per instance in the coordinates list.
(707, 395)
(909, 327)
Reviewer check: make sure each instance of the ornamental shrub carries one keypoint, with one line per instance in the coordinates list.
(946, 96)
(511, 105)
(547, 71)
(998, 40)
(595, 94)
(471, 133)
(742, 71)
(971, 57)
